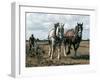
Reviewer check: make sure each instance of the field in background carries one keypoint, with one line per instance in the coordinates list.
(41, 58)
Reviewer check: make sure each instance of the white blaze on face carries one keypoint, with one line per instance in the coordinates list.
(57, 33)
(79, 33)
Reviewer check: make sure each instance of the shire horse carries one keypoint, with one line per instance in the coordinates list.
(55, 38)
(73, 37)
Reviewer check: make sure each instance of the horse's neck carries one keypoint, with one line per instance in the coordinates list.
(51, 33)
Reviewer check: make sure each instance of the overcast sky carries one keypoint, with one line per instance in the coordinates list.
(39, 24)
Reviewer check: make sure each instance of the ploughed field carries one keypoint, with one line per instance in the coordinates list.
(40, 57)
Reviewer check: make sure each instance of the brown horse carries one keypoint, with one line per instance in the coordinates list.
(73, 37)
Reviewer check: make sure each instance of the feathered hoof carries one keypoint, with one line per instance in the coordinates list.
(58, 58)
(65, 55)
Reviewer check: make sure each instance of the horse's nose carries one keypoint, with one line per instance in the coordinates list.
(79, 31)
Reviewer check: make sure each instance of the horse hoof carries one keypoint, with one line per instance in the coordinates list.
(65, 55)
(58, 59)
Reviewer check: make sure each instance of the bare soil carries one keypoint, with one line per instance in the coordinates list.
(41, 58)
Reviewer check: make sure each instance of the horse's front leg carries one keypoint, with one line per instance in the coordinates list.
(52, 52)
(49, 51)
(59, 51)
(65, 49)
(76, 46)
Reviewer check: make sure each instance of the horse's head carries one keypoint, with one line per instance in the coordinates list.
(79, 29)
(60, 30)
(56, 25)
